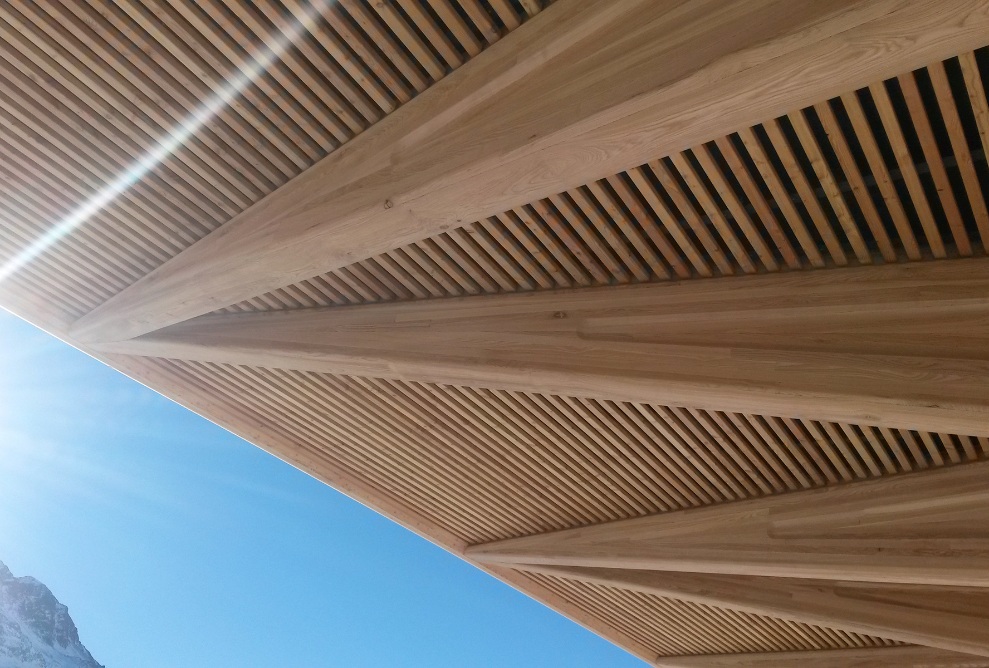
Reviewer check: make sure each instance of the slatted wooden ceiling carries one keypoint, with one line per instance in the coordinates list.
(890, 173)
(78, 110)
(893, 172)
(486, 465)
(672, 627)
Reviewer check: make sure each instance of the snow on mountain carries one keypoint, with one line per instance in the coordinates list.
(35, 629)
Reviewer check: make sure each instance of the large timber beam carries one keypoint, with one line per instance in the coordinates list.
(923, 528)
(950, 618)
(904, 346)
(911, 656)
(585, 90)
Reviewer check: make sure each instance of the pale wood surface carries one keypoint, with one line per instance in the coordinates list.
(623, 229)
(582, 91)
(879, 657)
(901, 346)
(643, 224)
(951, 618)
(89, 89)
(684, 627)
(921, 529)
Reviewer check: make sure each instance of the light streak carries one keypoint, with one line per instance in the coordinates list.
(165, 147)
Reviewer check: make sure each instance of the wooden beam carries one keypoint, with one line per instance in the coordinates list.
(584, 90)
(904, 346)
(920, 528)
(950, 618)
(911, 656)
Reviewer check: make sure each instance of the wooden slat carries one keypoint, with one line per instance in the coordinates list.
(671, 626)
(879, 657)
(356, 204)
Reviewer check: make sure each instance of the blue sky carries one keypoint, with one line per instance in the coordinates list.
(175, 543)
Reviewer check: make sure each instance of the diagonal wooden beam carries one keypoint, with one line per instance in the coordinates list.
(911, 656)
(904, 346)
(950, 618)
(584, 90)
(922, 528)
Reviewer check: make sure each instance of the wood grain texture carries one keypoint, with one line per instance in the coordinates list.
(955, 619)
(582, 91)
(901, 346)
(877, 657)
(626, 229)
(89, 89)
(673, 627)
(919, 529)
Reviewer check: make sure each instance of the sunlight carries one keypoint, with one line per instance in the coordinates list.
(48, 407)
(64, 470)
(168, 145)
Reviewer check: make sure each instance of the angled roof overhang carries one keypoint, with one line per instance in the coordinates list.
(673, 315)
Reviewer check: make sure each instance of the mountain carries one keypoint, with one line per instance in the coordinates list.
(35, 629)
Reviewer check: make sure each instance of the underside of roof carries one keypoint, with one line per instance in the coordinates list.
(672, 315)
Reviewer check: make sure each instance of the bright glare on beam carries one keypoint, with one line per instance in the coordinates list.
(168, 144)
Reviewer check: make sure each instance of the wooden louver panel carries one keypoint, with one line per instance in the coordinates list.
(487, 465)
(430, 446)
(77, 112)
(885, 657)
(522, 123)
(953, 619)
(893, 172)
(670, 626)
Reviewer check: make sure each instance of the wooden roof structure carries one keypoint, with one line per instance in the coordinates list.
(673, 315)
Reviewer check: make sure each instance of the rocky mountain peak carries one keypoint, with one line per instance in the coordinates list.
(36, 630)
